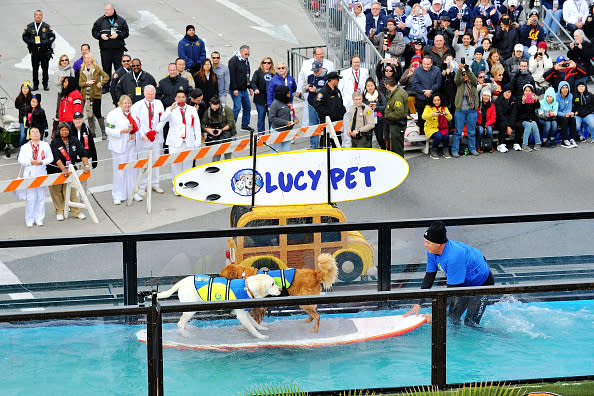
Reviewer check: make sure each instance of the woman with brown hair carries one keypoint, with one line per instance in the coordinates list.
(91, 81)
(206, 80)
(260, 82)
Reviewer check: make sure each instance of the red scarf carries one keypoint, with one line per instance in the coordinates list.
(35, 148)
(183, 114)
(133, 123)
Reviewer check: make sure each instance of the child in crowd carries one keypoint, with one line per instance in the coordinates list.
(406, 83)
(479, 64)
(485, 121)
(36, 117)
(547, 114)
(436, 117)
(527, 116)
(565, 116)
(21, 103)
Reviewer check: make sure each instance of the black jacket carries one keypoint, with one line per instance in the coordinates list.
(46, 38)
(527, 111)
(127, 85)
(519, 81)
(209, 87)
(74, 149)
(260, 82)
(114, 82)
(22, 103)
(39, 120)
(582, 56)
(583, 104)
(104, 25)
(168, 87)
(239, 74)
(504, 41)
(329, 103)
(507, 113)
(91, 150)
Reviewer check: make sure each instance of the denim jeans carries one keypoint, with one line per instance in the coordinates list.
(242, 100)
(23, 134)
(461, 118)
(481, 131)
(530, 127)
(549, 21)
(437, 138)
(262, 111)
(549, 129)
(589, 120)
(281, 147)
(314, 119)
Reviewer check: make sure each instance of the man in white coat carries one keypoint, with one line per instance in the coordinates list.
(148, 114)
(184, 132)
(353, 79)
(302, 91)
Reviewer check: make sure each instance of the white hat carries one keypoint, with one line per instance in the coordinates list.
(437, 2)
(518, 47)
(514, 3)
(485, 91)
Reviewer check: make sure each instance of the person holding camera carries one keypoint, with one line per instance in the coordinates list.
(531, 34)
(506, 37)
(527, 116)
(538, 64)
(460, 15)
(436, 117)
(418, 22)
(581, 51)
(390, 42)
(39, 38)
(467, 102)
(218, 125)
(564, 70)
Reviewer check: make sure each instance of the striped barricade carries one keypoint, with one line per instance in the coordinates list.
(230, 147)
(39, 181)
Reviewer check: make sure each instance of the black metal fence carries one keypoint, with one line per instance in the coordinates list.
(154, 312)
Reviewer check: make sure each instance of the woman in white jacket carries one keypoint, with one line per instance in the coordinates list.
(34, 156)
(121, 131)
(538, 64)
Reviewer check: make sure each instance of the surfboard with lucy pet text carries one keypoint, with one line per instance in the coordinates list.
(290, 333)
(295, 177)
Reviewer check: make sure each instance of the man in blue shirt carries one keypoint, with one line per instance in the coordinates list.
(463, 266)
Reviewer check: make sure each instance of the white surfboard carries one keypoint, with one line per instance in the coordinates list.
(295, 178)
(290, 333)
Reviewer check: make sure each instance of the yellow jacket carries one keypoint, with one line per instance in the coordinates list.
(431, 124)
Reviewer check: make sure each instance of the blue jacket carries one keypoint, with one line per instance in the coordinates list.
(566, 103)
(426, 80)
(370, 23)
(278, 80)
(192, 50)
(530, 33)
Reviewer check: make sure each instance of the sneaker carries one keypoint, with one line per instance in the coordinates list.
(142, 191)
(81, 216)
(137, 197)
(582, 138)
(517, 147)
(552, 142)
(158, 190)
(433, 154)
(415, 116)
(29, 225)
(446, 153)
(117, 202)
(502, 148)
(39, 223)
(248, 128)
(474, 152)
(59, 217)
(455, 154)
(573, 143)
(566, 144)
(526, 148)
(537, 147)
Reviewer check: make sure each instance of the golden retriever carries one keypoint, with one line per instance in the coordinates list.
(258, 286)
(307, 282)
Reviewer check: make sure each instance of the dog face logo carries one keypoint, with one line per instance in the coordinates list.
(243, 181)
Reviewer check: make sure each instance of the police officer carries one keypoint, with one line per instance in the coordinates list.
(133, 83)
(119, 73)
(395, 116)
(111, 30)
(329, 103)
(39, 38)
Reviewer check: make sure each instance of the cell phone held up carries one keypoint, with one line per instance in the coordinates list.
(530, 98)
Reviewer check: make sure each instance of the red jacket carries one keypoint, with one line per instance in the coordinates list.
(491, 116)
(69, 105)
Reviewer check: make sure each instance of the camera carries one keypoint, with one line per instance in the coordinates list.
(565, 64)
(463, 60)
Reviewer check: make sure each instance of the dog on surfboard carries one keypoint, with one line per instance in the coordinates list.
(304, 282)
(199, 287)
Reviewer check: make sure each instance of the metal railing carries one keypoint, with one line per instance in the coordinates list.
(336, 24)
(297, 55)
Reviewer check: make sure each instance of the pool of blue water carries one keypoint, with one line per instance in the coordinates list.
(519, 341)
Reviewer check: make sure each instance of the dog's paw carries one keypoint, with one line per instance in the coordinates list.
(262, 328)
(262, 337)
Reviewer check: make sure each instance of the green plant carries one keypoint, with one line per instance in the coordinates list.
(482, 389)
(275, 390)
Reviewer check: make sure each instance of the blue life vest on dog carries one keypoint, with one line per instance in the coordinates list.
(218, 289)
(283, 278)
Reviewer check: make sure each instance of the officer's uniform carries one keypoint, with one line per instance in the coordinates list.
(39, 39)
(395, 117)
(112, 50)
(328, 102)
(119, 73)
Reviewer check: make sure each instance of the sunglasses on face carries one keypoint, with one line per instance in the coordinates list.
(281, 68)
(64, 60)
(267, 63)
(125, 60)
(135, 66)
(215, 57)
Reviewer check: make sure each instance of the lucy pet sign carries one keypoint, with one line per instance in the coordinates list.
(295, 178)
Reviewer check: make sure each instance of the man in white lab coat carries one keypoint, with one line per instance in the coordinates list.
(302, 91)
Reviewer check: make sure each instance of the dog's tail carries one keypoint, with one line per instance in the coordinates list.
(327, 270)
(168, 293)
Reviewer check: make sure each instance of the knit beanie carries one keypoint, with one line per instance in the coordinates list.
(436, 233)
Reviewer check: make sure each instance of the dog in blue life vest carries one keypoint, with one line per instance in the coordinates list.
(205, 288)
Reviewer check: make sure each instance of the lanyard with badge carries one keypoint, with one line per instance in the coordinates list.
(138, 88)
(113, 29)
(37, 37)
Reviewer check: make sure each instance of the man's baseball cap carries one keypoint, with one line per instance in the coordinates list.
(316, 65)
(78, 114)
(399, 5)
(518, 47)
(513, 3)
(534, 12)
(333, 76)
(560, 58)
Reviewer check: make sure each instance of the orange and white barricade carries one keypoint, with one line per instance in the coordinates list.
(52, 180)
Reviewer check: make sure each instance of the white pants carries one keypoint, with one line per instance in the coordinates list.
(35, 207)
(123, 180)
(346, 139)
(180, 166)
(156, 149)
